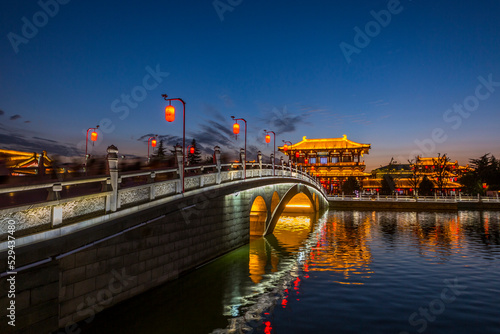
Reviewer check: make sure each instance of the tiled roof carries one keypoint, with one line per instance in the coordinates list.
(327, 144)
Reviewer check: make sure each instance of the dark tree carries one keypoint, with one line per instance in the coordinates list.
(472, 184)
(350, 185)
(387, 185)
(414, 179)
(194, 158)
(425, 187)
(486, 170)
(160, 153)
(441, 170)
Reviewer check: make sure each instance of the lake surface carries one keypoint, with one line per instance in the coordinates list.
(346, 272)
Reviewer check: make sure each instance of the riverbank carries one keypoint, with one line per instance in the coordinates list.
(405, 204)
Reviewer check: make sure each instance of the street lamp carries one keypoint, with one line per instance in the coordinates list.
(285, 148)
(93, 138)
(236, 130)
(170, 117)
(153, 143)
(268, 140)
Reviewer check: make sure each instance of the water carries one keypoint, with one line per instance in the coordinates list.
(347, 272)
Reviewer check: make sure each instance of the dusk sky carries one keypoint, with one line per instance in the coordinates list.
(407, 77)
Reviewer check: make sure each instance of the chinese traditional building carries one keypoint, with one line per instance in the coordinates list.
(25, 163)
(332, 160)
(405, 178)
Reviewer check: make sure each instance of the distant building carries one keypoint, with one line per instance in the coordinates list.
(401, 175)
(332, 160)
(25, 163)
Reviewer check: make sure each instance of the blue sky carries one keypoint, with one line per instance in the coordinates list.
(278, 64)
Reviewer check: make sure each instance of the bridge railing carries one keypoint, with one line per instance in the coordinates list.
(86, 199)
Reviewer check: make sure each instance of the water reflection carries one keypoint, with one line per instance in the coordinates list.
(348, 260)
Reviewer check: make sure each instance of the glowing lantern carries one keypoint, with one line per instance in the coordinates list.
(170, 113)
(306, 161)
(93, 136)
(285, 147)
(268, 139)
(297, 154)
(236, 128)
(191, 150)
(153, 143)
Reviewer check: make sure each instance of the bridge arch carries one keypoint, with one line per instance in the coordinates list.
(275, 200)
(302, 192)
(258, 216)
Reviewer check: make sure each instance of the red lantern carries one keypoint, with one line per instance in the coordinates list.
(153, 143)
(306, 161)
(297, 154)
(268, 139)
(93, 136)
(170, 113)
(285, 147)
(236, 128)
(191, 150)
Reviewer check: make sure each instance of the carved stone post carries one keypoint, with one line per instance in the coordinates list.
(180, 169)
(272, 163)
(112, 158)
(259, 160)
(218, 163)
(243, 161)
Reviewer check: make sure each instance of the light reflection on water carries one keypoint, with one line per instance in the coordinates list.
(346, 272)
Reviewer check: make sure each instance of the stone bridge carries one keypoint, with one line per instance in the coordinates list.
(77, 254)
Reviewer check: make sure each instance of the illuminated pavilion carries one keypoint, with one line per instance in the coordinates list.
(25, 163)
(332, 160)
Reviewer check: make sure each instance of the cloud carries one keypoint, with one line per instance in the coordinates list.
(2, 112)
(35, 144)
(13, 118)
(211, 110)
(27, 121)
(281, 121)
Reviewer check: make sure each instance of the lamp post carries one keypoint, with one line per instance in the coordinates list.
(153, 144)
(93, 138)
(170, 117)
(236, 130)
(268, 140)
(285, 148)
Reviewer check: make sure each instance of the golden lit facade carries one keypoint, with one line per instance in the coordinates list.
(402, 176)
(332, 160)
(23, 163)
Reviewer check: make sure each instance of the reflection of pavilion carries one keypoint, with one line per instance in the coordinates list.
(342, 248)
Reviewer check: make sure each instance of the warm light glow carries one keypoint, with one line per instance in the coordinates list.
(297, 154)
(93, 136)
(285, 147)
(191, 150)
(236, 128)
(153, 143)
(298, 206)
(306, 161)
(268, 139)
(170, 113)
